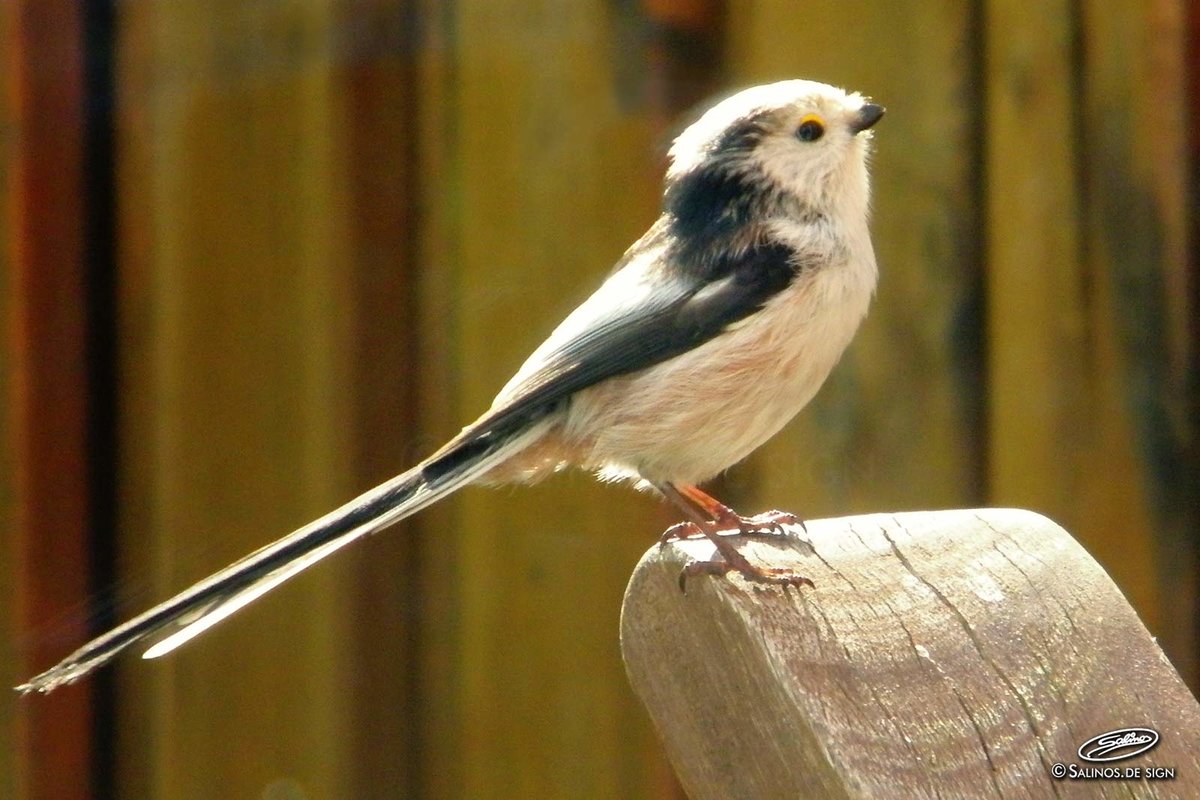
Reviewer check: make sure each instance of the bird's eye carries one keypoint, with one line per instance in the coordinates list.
(811, 128)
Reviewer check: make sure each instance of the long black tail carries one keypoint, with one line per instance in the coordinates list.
(191, 612)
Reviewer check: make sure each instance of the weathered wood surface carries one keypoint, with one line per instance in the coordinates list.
(952, 654)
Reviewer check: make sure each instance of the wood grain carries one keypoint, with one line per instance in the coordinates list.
(953, 654)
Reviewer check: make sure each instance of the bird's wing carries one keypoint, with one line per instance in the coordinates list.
(637, 319)
(678, 314)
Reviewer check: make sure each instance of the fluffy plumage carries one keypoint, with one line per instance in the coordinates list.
(715, 328)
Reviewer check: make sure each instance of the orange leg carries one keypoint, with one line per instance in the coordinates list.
(769, 523)
(712, 518)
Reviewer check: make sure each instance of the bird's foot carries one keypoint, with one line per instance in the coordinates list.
(768, 523)
(719, 523)
(681, 531)
(768, 576)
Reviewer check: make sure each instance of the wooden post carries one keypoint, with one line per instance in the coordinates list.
(950, 653)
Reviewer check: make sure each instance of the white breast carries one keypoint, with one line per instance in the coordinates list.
(696, 415)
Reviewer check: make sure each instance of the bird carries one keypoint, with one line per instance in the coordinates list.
(711, 332)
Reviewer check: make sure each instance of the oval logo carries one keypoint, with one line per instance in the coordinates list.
(1119, 744)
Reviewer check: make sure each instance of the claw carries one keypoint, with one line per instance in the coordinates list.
(770, 576)
(718, 522)
(769, 523)
(679, 532)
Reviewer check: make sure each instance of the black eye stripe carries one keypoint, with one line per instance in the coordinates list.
(742, 135)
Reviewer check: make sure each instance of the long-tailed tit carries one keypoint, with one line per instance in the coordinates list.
(715, 328)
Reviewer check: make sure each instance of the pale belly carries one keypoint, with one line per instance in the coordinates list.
(690, 418)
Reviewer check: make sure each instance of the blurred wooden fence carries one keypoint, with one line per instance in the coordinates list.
(341, 224)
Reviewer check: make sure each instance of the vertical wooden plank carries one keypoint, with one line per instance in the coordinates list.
(376, 105)
(13, 777)
(1135, 195)
(1038, 319)
(237, 327)
(897, 424)
(45, 403)
(1058, 385)
(438, 536)
(1189, 283)
(538, 181)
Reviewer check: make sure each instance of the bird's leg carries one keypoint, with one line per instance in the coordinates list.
(769, 523)
(717, 521)
(689, 529)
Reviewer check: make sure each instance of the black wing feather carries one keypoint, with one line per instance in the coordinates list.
(680, 316)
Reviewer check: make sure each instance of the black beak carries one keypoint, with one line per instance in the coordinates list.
(868, 115)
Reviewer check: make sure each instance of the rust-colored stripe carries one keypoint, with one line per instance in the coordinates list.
(49, 386)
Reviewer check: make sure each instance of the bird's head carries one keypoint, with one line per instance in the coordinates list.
(800, 143)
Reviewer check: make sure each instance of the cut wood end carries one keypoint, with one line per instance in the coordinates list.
(953, 651)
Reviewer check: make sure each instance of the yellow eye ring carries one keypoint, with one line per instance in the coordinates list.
(811, 128)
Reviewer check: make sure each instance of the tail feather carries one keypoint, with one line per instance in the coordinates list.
(191, 612)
